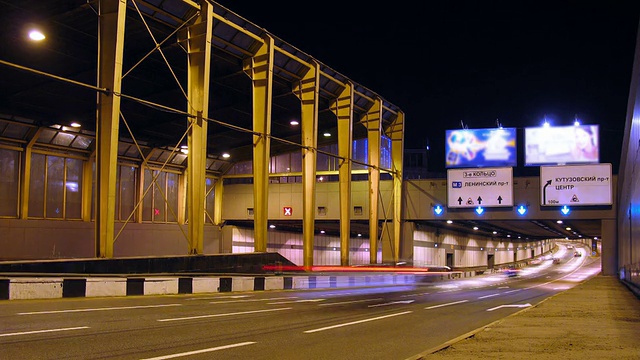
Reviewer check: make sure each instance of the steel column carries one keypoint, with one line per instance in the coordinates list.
(307, 91)
(343, 108)
(111, 24)
(260, 70)
(199, 67)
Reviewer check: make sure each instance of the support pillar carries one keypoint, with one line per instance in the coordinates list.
(307, 91)
(260, 70)
(199, 66)
(373, 122)
(396, 133)
(111, 24)
(609, 256)
(343, 108)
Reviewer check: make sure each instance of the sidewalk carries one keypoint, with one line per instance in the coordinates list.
(598, 319)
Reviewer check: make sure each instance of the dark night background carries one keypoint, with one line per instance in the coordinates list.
(475, 63)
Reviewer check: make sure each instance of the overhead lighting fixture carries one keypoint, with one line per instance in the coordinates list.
(226, 155)
(559, 221)
(75, 124)
(36, 35)
(449, 221)
(294, 122)
(475, 228)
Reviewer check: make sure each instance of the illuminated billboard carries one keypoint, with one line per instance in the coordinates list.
(559, 145)
(494, 147)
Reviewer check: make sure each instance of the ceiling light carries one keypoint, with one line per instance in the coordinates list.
(567, 228)
(36, 35)
(559, 222)
(449, 221)
(475, 228)
(327, 134)
(294, 122)
(226, 155)
(75, 124)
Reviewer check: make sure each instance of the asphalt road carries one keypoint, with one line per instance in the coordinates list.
(386, 322)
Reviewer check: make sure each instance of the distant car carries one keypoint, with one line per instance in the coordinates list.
(556, 260)
(577, 254)
(512, 272)
(569, 246)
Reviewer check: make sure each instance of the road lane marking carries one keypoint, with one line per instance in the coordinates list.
(447, 304)
(43, 331)
(510, 306)
(96, 309)
(355, 322)
(295, 301)
(393, 302)
(488, 296)
(511, 291)
(220, 315)
(200, 351)
(253, 300)
(219, 297)
(349, 302)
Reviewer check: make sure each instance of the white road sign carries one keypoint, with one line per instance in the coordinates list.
(576, 185)
(486, 187)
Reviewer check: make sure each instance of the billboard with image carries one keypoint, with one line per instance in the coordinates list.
(493, 147)
(560, 145)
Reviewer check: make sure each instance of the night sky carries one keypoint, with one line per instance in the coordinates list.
(477, 63)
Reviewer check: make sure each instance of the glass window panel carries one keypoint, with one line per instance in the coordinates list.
(296, 161)
(15, 131)
(147, 204)
(73, 184)
(10, 169)
(242, 168)
(63, 139)
(360, 154)
(55, 188)
(36, 186)
(172, 196)
(93, 190)
(385, 153)
(127, 192)
(179, 158)
(82, 142)
(46, 135)
(209, 200)
(159, 205)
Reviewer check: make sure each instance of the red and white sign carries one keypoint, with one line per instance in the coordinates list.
(288, 211)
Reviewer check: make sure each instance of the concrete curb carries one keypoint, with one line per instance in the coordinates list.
(45, 287)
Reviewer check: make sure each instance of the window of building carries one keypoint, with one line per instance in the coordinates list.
(9, 182)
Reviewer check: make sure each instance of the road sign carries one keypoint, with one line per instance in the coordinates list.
(287, 211)
(485, 187)
(576, 185)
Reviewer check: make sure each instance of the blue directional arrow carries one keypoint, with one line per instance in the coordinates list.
(522, 210)
(438, 209)
(565, 210)
(479, 210)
